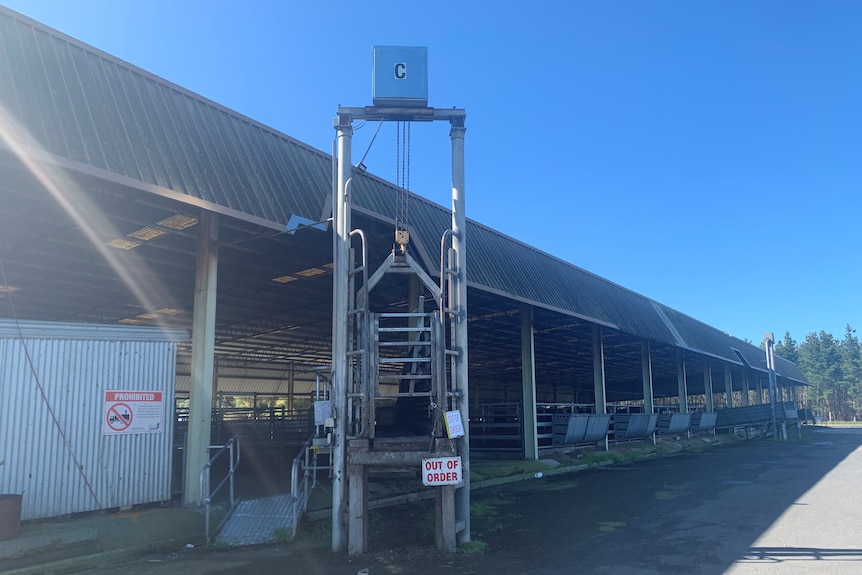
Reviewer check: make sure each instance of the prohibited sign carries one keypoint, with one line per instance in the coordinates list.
(132, 412)
(119, 417)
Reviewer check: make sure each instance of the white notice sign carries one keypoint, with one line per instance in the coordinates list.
(441, 471)
(131, 412)
(454, 425)
(322, 412)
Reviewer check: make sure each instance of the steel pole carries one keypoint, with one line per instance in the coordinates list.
(646, 374)
(203, 353)
(459, 246)
(769, 341)
(681, 381)
(340, 249)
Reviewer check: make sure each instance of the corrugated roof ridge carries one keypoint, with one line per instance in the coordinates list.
(560, 260)
(159, 79)
(731, 338)
(669, 324)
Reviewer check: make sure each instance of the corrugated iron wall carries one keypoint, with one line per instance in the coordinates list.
(52, 446)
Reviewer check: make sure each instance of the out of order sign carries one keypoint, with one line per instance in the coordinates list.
(441, 471)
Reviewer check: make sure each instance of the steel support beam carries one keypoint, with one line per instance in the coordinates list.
(728, 386)
(528, 381)
(646, 371)
(340, 295)
(768, 343)
(680, 380)
(202, 361)
(599, 370)
(599, 389)
(459, 327)
(707, 387)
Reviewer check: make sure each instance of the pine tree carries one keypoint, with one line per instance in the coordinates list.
(851, 368)
(787, 348)
(820, 360)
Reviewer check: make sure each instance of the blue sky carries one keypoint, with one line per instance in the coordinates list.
(707, 155)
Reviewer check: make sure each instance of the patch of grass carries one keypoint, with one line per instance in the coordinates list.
(609, 526)
(481, 510)
(488, 469)
(671, 492)
(283, 534)
(316, 530)
(486, 517)
(473, 547)
(598, 458)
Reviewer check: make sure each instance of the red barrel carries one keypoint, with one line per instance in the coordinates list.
(10, 516)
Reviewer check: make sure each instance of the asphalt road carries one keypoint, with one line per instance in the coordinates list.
(761, 507)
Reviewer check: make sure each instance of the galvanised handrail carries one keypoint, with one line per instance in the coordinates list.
(233, 450)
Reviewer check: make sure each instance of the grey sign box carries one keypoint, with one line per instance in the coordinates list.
(400, 76)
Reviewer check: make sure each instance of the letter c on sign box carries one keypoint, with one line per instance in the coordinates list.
(400, 71)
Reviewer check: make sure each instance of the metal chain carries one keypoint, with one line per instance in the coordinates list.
(407, 187)
(402, 176)
(397, 175)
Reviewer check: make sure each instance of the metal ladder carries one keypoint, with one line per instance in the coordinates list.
(402, 359)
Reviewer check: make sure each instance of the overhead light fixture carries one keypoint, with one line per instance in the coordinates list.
(295, 223)
(4, 289)
(311, 272)
(169, 311)
(284, 279)
(146, 234)
(123, 244)
(178, 222)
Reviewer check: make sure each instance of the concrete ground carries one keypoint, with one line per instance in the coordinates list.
(758, 507)
(99, 540)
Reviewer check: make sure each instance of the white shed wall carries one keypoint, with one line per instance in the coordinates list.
(52, 446)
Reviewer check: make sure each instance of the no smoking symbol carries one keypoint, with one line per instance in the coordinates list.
(119, 417)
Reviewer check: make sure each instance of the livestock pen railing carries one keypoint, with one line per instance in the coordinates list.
(254, 424)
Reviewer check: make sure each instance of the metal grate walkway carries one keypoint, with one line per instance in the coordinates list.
(258, 521)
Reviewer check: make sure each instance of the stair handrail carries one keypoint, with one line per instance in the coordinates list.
(299, 498)
(232, 448)
(301, 457)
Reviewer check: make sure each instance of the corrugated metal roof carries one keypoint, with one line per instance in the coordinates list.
(90, 332)
(88, 107)
(698, 336)
(755, 358)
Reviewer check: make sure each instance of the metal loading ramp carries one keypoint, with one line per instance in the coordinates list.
(257, 521)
